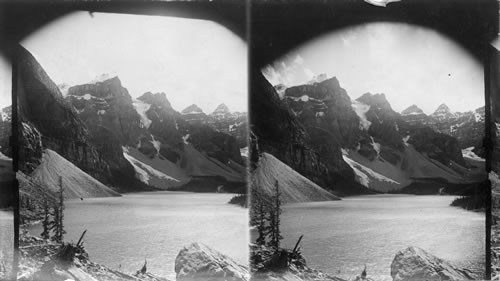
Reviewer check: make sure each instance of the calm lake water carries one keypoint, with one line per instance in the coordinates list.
(340, 237)
(6, 238)
(155, 226)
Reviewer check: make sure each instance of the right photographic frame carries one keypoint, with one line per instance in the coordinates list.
(373, 140)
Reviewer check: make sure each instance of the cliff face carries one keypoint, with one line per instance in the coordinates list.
(43, 107)
(362, 139)
(325, 105)
(107, 104)
(279, 132)
(106, 109)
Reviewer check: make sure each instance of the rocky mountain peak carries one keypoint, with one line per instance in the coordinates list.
(192, 109)
(375, 100)
(412, 110)
(155, 98)
(332, 82)
(104, 77)
(442, 109)
(221, 110)
(318, 78)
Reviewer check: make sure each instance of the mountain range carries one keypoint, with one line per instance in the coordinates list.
(101, 136)
(362, 146)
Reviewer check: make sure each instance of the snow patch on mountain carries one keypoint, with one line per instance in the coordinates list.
(141, 108)
(155, 172)
(244, 151)
(156, 144)
(5, 157)
(364, 174)
(406, 139)
(361, 109)
(376, 146)
(467, 152)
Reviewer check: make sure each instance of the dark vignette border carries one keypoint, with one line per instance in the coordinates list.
(277, 27)
(19, 19)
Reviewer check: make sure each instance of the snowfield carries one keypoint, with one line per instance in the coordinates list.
(468, 153)
(156, 172)
(142, 108)
(366, 175)
(361, 109)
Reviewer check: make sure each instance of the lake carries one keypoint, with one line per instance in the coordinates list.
(6, 238)
(340, 237)
(124, 231)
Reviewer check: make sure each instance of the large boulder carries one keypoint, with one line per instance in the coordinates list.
(199, 262)
(415, 264)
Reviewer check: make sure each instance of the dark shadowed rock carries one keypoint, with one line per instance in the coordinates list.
(312, 151)
(107, 104)
(438, 146)
(198, 262)
(415, 264)
(42, 105)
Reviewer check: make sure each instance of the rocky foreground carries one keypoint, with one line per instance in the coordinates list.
(410, 264)
(495, 227)
(47, 260)
(43, 259)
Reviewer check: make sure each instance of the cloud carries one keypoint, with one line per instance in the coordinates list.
(310, 74)
(298, 60)
(192, 61)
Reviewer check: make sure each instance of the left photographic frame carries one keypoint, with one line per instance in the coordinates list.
(132, 128)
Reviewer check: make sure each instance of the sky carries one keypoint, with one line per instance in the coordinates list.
(409, 64)
(192, 61)
(5, 83)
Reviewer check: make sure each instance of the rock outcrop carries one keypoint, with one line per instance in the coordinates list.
(363, 140)
(107, 104)
(279, 132)
(40, 260)
(198, 262)
(41, 104)
(415, 264)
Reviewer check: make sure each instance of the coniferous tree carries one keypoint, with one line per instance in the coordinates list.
(276, 232)
(258, 214)
(58, 216)
(46, 222)
(61, 231)
(54, 224)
